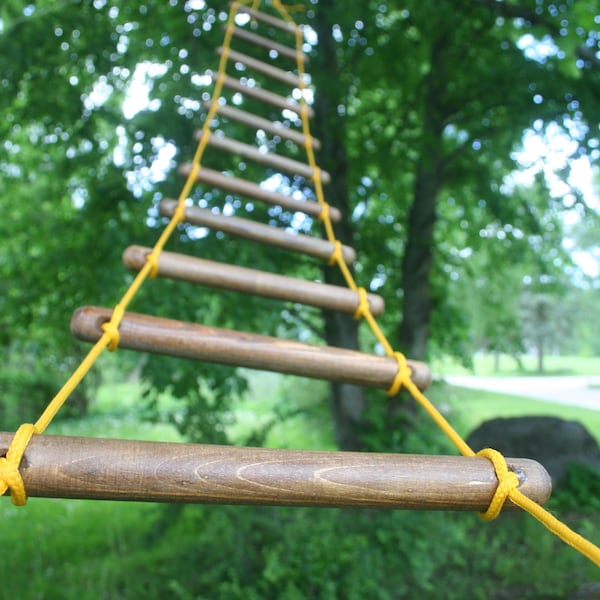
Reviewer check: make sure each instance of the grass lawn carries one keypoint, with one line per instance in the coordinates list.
(484, 365)
(69, 549)
(468, 408)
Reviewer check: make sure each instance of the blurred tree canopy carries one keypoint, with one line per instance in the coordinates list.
(421, 107)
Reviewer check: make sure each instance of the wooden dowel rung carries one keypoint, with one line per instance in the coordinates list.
(251, 281)
(258, 232)
(254, 190)
(274, 128)
(146, 333)
(263, 95)
(267, 19)
(263, 42)
(108, 469)
(268, 159)
(264, 68)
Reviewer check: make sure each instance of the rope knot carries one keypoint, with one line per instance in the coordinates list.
(402, 375)
(111, 328)
(336, 255)
(152, 260)
(10, 476)
(507, 482)
(363, 307)
(324, 214)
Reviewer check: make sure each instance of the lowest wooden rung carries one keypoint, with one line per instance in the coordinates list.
(106, 469)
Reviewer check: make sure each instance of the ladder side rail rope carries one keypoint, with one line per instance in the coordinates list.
(107, 469)
(252, 281)
(158, 335)
(258, 232)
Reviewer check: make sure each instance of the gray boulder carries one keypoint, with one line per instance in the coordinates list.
(553, 442)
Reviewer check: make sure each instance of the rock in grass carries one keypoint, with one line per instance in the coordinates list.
(553, 442)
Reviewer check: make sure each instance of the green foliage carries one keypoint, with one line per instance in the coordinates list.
(90, 550)
(581, 490)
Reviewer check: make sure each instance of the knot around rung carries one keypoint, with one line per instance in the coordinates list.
(403, 373)
(364, 306)
(111, 328)
(507, 482)
(10, 476)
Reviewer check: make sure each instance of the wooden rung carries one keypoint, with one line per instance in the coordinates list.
(211, 344)
(263, 42)
(267, 19)
(264, 95)
(258, 232)
(262, 67)
(251, 281)
(246, 118)
(254, 190)
(106, 469)
(268, 159)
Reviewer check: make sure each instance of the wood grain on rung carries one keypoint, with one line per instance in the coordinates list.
(264, 95)
(268, 159)
(264, 68)
(252, 281)
(106, 469)
(263, 42)
(274, 128)
(211, 344)
(254, 190)
(258, 232)
(267, 19)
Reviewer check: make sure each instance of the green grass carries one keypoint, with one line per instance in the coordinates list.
(484, 365)
(468, 408)
(116, 412)
(68, 549)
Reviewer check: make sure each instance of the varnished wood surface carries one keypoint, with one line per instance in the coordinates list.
(258, 232)
(75, 467)
(200, 342)
(252, 281)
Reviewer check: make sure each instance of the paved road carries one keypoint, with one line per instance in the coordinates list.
(577, 390)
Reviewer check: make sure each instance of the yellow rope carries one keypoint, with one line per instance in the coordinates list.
(10, 476)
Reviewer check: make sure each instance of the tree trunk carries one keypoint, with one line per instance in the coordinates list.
(347, 401)
(418, 255)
